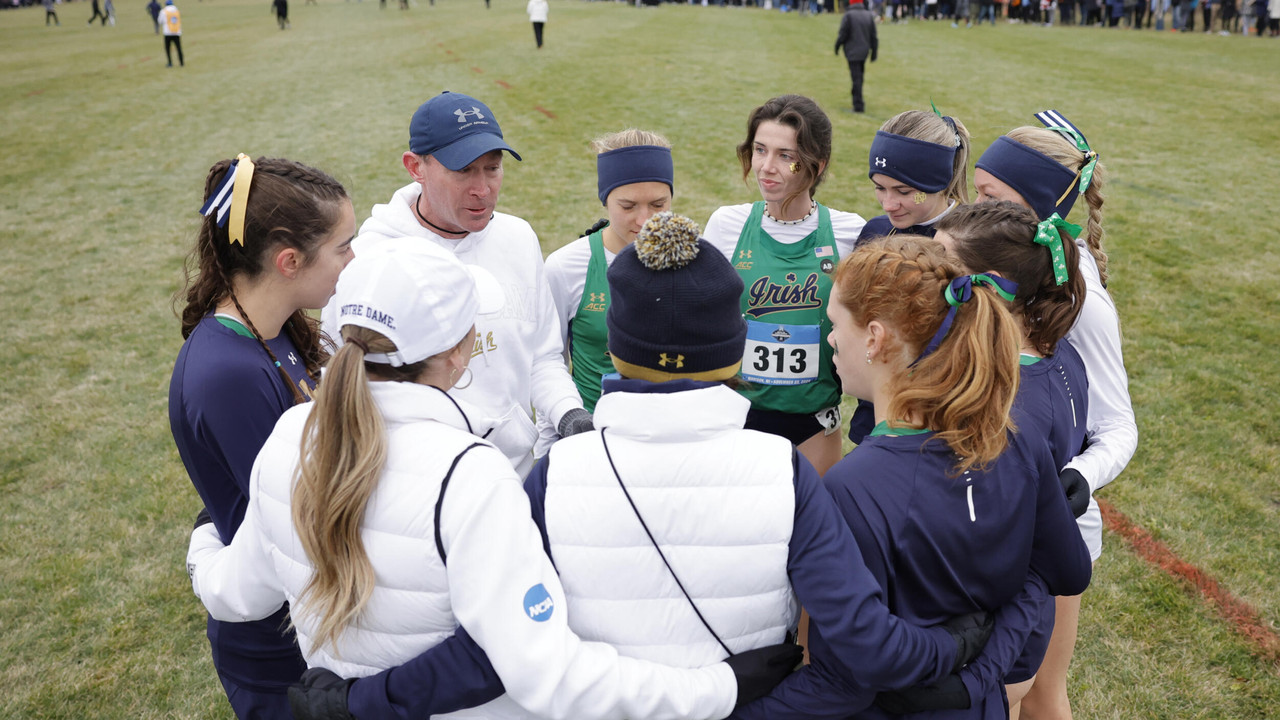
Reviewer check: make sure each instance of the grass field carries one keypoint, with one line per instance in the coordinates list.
(105, 156)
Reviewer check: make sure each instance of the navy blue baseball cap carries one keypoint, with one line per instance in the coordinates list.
(455, 129)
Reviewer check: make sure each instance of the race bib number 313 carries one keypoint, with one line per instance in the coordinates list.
(781, 354)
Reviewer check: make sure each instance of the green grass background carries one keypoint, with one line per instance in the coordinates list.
(105, 153)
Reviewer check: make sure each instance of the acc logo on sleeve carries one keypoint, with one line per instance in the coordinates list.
(538, 604)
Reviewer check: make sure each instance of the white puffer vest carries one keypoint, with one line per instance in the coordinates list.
(719, 500)
(410, 609)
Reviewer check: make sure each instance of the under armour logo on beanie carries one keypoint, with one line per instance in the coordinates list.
(674, 306)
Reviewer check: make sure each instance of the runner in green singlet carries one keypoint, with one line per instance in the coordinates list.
(785, 248)
(635, 181)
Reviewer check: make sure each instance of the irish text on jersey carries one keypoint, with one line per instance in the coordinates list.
(765, 296)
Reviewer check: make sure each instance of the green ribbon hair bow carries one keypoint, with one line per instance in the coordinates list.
(1048, 234)
(959, 291)
(1090, 157)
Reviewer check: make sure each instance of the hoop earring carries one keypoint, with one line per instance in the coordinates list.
(466, 372)
(868, 357)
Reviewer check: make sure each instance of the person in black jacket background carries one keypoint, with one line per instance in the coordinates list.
(858, 37)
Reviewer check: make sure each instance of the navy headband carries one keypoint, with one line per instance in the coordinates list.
(634, 164)
(922, 165)
(1038, 178)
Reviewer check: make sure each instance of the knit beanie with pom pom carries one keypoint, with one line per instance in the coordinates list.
(674, 306)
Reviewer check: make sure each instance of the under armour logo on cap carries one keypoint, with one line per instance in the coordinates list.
(881, 162)
(455, 129)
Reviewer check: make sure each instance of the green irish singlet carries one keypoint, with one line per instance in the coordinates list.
(787, 359)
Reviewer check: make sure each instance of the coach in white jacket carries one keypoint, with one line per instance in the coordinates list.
(455, 159)
(383, 556)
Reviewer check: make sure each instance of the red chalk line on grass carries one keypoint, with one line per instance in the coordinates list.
(545, 111)
(503, 84)
(1246, 620)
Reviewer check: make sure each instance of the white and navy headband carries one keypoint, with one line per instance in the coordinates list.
(228, 201)
(633, 164)
(923, 165)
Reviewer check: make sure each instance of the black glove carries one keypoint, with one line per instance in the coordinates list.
(759, 671)
(577, 420)
(873, 55)
(320, 695)
(1077, 490)
(837, 48)
(203, 518)
(970, 633)
(949, 694)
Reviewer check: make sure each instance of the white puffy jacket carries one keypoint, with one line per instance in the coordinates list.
(495, 564)
(720, 501)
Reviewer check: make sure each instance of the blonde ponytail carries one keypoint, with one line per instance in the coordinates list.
(344, 448)
(343, 452)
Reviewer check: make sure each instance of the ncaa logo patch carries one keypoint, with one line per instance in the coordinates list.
(538, 604)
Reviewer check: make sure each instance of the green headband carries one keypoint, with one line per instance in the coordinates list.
(1048, 234)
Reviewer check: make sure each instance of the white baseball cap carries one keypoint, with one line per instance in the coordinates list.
(418, 295)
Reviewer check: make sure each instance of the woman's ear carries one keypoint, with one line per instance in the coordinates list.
(288, 262)
(463, 350)
(877, 334)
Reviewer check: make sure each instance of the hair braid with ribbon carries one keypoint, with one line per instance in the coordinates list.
(1065, 152)
(290, 205)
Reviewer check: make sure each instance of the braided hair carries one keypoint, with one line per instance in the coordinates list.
(1000, 236)
(1060, 149)
(290, 205)
(600, 224)
(964, 390)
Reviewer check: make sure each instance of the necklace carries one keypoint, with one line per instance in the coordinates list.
(434, 226)
(813, 207)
